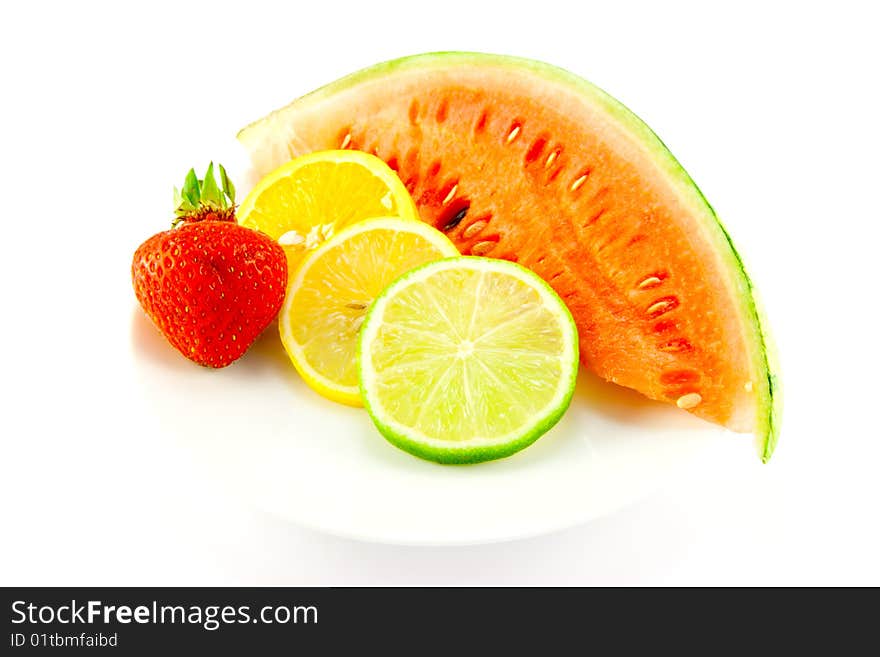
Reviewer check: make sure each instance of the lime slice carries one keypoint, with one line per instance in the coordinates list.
(306, 201)
(329, 294)
(467, 359)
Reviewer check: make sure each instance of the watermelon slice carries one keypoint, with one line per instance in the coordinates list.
(520, 160)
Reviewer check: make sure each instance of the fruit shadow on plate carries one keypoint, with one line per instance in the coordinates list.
(613, 401)
(265, 358)
(596, 403)
(149, 344)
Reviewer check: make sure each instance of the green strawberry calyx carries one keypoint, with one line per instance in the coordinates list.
(203, 199)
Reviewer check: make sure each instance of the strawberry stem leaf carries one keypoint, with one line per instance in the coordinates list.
(197, 197)
(190, 191)
(228, 187)
(210, 193)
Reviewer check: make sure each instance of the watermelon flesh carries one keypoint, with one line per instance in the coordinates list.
(520, 160)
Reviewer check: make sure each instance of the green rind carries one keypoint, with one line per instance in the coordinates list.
(467, 455)
(763, 354)
(770, 438)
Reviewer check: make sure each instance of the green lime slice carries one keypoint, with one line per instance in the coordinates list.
(467, 359)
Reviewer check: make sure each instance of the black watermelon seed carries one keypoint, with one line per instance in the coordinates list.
(456, 219)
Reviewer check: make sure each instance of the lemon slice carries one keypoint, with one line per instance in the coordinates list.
(331, 291)
(307, 200)
(467, 360)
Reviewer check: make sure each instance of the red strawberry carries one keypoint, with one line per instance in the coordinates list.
(210, 285)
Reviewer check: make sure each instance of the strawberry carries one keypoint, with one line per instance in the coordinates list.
(210, 285)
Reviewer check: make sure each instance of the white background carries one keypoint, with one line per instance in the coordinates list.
(772, 107)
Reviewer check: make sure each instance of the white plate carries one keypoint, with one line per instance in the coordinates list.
(264, 433)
